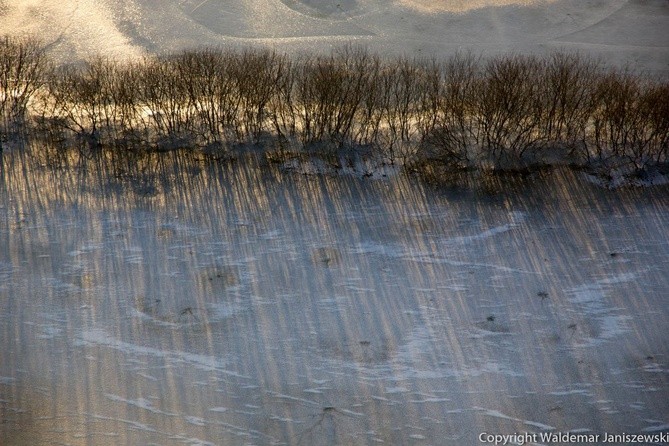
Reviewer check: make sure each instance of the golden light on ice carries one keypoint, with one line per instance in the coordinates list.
(457, 6)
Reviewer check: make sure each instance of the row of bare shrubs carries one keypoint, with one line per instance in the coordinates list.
(514, 110)
(192, 98)
(463, 112)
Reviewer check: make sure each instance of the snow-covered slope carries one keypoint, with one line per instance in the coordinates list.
(622, 32)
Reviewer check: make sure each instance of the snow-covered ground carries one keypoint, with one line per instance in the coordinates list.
(194, 303)
(634, 32)
(197, 303)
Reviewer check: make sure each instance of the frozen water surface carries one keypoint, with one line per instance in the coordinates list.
(200, 303)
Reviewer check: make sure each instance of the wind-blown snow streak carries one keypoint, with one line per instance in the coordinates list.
(208, 363)
(498, 414)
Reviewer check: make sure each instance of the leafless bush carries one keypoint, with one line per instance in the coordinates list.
(329, 93)
(282, 108)
(509, 107)
(257, 76)
(80, 99)
(567, 88)
(97, 102)
(23, 65)
(404, 83)
(166, 101)
(655, 102)
(647, 127)
(132, 129)
(370, 111)
(629, 123)
(209, 101)
(454, 138)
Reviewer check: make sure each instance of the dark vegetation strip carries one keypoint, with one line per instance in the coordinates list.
(462, 113)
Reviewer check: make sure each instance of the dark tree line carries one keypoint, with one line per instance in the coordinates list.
(463, 112)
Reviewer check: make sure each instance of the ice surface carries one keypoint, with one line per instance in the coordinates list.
(251, 305)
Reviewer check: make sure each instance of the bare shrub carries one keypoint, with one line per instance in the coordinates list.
(430, 97)
(402, 81)
(209, 95)
(282, 108)
(257, 77)
(80, 99)
(454, 137)
(329, 92)
(125, 88)
(368, 119)
(98, 102)
(509, 107)
(165, 100)
(655, 102)
(629, 124)
(567, 86)
(23, 65)
(118, 102)
(648, 135)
